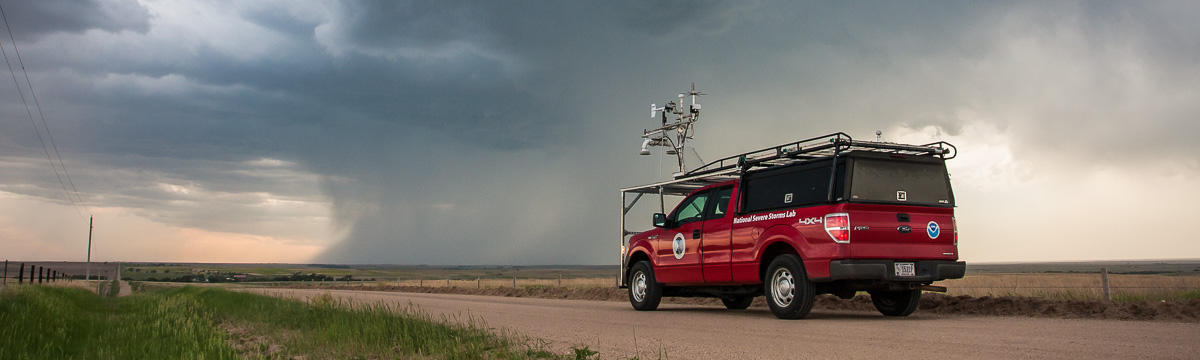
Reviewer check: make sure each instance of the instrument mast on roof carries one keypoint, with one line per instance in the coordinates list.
(675, 134)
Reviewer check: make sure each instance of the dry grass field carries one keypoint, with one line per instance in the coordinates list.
(1077, 286)
(1128, 281)
(1052, 286)
(519, 282)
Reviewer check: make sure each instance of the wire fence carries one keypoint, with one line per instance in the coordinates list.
(1100, 285)
(1097, 285)
(20, 274)
(492, 282)
(1047, 285)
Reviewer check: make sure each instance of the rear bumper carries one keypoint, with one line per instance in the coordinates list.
(885, 270)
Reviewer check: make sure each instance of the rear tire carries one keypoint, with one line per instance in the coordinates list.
(789, 293)
(896, 303)
(645, 293)
(738, 303)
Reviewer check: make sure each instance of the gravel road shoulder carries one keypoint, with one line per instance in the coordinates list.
(693, 331)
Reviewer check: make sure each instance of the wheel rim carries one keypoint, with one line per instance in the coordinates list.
(638, 289)
(783, 287)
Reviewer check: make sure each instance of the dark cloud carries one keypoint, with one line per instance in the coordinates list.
(31, 19)
(386, 24)
(671, 17)
(481, 132)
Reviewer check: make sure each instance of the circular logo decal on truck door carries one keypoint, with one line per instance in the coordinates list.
(678, 246)
(933, 229)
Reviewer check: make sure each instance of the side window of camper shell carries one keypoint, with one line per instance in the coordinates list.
(793, 186)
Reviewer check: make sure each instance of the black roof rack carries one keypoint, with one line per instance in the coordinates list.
(820, 147)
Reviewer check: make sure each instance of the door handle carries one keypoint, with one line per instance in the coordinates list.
(695, 234)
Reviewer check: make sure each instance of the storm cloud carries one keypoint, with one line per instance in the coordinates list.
(499, 132)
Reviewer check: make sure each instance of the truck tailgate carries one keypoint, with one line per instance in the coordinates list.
(901, 232)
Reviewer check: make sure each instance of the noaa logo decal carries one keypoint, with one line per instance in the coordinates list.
(678, 246)
(933, 229)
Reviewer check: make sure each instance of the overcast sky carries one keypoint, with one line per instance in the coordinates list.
(491, 132)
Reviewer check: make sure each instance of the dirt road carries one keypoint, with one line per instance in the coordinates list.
(694, 332)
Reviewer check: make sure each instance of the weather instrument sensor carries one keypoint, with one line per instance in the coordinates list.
(673, 134)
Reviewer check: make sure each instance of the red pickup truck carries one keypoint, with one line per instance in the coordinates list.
(827, 215)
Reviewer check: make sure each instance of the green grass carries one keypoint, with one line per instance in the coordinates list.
(1186, 295)
(328, 327)
(39, 322)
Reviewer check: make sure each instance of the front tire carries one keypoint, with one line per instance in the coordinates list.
(896, 303)
(789, 293)
(645, 293)
(738, 303)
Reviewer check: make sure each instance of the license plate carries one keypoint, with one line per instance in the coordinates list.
(906, 269)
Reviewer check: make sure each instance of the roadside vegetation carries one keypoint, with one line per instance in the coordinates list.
(1124, 288)
(1051, 286)
(40, 322)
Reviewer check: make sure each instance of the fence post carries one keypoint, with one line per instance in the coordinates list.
(41, 269)
(1104, 281)
(559, 280)
(21, 275)
(514, 282)
(477, 285)
(421, 281)
(5, 273)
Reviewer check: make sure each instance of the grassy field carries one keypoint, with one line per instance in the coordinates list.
(1124, 288)
(1070, 286)
(42, 322)
(143, 271)
(1129, 280)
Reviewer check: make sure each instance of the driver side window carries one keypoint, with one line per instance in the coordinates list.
(691, 209)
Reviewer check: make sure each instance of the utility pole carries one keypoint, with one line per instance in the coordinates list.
(89, 254)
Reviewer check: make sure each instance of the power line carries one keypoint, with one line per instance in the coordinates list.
(43, 117)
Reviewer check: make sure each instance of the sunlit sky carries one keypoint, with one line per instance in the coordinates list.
(486, 132)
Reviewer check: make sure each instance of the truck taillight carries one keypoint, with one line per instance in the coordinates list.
(954, 223)
(837, 225)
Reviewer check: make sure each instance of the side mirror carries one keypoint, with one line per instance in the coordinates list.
(660, 220)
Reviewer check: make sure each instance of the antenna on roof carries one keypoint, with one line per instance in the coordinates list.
(673, 135)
